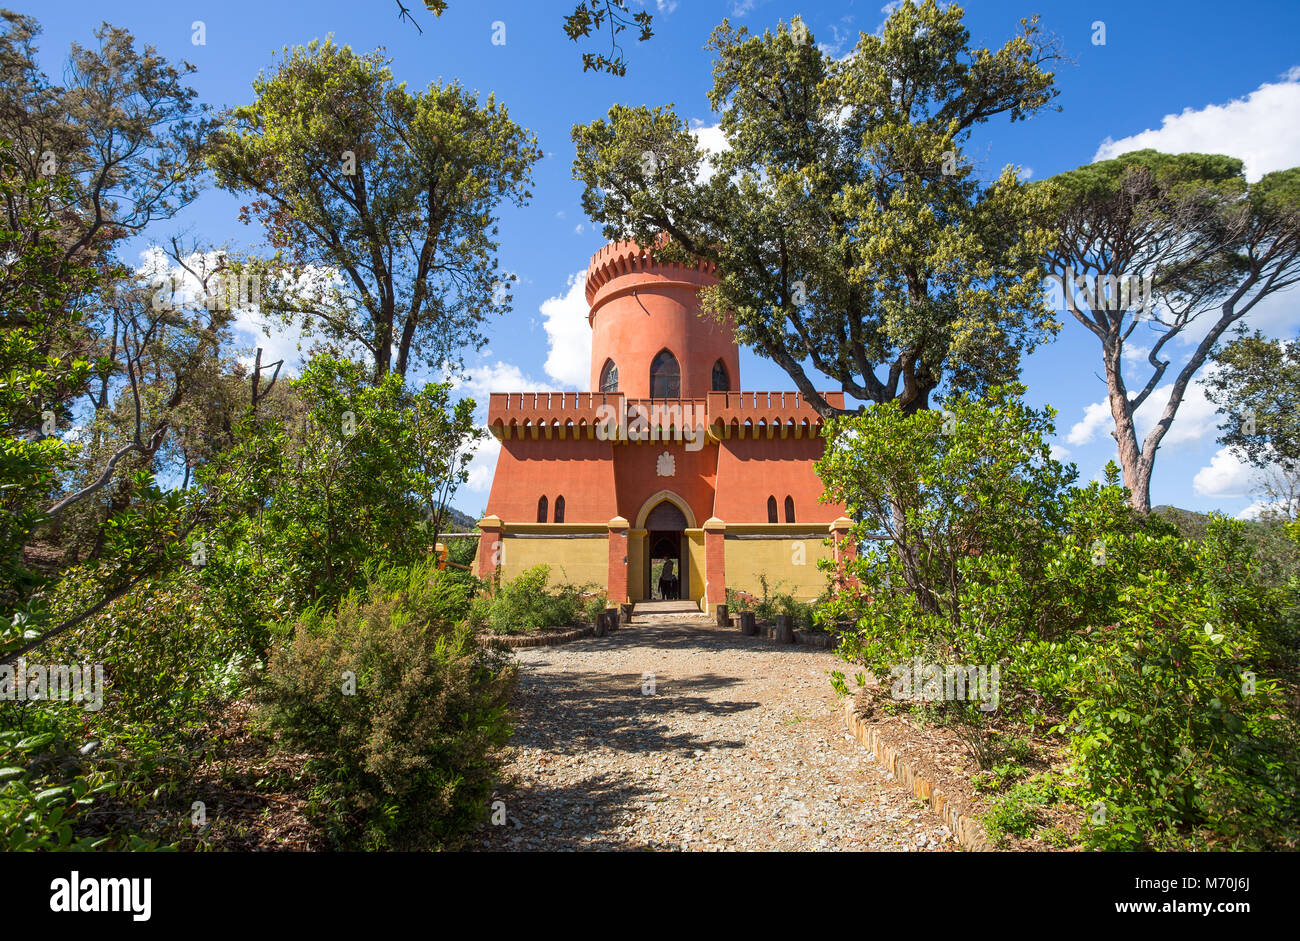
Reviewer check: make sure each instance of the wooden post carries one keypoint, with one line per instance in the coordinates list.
(600, 624)
(611, 619)
(784, 630)
(722, 616)
(748, 626)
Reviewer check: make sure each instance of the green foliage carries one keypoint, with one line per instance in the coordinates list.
(1018, 811)
(589, 15)
(525, 604)
(308, 505)
(773, 602)
(170, 654)
(851, 235)
(408, 760)
(397, 191)
(1257, 389)
(35, 380)
(47, 789)
(1154, 656)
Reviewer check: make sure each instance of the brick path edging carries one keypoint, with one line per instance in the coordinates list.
(538, 640)
(968, 831)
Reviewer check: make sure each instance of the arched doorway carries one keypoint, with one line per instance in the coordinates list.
(666, 558)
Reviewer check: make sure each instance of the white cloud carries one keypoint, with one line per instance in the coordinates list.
(1059, 453)
(711, 138)
(665, 6)
(1134, 353)
(1095, 416)
(1260, 129)
(1254, 510)
(1196, 418)
(1227, 475)
(568, 361)
(278, 341)
(483, 378)
(483, 465)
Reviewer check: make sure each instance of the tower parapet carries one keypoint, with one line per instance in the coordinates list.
(641, 308)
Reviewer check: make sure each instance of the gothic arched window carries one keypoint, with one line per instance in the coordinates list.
(609, 377)
(721, 381)
(771, 510)
(665, 376)
(541, 510)
(559, 509)
(789, 509)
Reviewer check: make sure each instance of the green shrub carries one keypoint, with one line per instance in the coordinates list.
(1175, 727)
(1019, 811)
(525, 604)
(309, 498)
(1164, 662)
(408, 760)
(45, 793)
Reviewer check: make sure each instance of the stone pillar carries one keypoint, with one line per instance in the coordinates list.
(491, 546)
(845, 550)
(715, 555)
(616, 589)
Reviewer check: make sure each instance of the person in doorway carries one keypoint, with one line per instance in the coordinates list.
(668, 582)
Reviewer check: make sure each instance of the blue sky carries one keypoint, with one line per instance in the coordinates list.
(1176, 76)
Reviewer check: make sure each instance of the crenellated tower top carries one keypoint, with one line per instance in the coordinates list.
(645, 319)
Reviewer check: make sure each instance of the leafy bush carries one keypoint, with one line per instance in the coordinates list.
(45, 793)
(408, 760)
(1158, 658)
(1018, 812)
(311, 497)
(525, 604)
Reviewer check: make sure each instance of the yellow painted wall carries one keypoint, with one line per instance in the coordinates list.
(746, 559)
(576, 561)
(695, 552)
(636, 576)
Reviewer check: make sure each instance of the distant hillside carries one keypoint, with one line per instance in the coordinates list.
(1277, 555)
(458, 522)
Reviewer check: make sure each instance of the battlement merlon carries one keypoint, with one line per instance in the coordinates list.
(723, 414)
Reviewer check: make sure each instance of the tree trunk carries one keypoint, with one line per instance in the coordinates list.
(1137, 470)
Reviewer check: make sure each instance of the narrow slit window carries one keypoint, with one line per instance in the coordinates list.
(559, 509)
(541, 510)
(789, 509)
(771, 510)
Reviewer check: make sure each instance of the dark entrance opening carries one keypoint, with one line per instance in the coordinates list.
(666, 577)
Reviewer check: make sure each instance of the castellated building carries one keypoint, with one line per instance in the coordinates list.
(665, 480)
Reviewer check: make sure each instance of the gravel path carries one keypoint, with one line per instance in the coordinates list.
(739, 747)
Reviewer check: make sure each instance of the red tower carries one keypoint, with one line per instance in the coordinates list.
(664, 465)
(641, 310)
